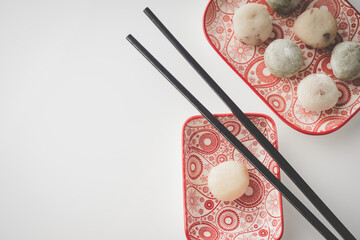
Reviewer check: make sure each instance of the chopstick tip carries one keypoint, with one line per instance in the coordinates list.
(147, 10)
(129, 37)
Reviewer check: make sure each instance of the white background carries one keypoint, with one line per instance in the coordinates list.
(90, 133)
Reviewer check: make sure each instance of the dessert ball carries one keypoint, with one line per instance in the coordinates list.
(252, 24)
(283, 7)
(318, 92)
(316, 28)
(228, 180)
(345, 61)
(283, 58)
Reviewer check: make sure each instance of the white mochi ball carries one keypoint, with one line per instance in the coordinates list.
(252, 24)
(316, 27)
(318, 92)
(228, 180)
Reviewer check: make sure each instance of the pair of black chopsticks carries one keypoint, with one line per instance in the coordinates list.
(284, 165)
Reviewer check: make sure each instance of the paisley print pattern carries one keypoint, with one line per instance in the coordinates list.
(255, 215)
(280, 93)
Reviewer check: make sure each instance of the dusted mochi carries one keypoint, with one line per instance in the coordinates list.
(316, 28)
(345, 61)
(283, 7)
(318, 92)
(228, 180)
(283, 58)
(252, 24)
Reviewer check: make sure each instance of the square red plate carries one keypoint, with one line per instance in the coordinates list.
(280, 93)
(258, 213)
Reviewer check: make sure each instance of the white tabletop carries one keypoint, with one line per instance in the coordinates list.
(90, 133)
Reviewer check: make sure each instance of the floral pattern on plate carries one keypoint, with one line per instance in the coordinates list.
(280, 93)
(255, 215)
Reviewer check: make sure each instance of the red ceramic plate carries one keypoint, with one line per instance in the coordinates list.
(258, 213)
(280, 93)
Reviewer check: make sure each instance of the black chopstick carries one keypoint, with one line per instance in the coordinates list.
(322, 229)
(264, 142)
